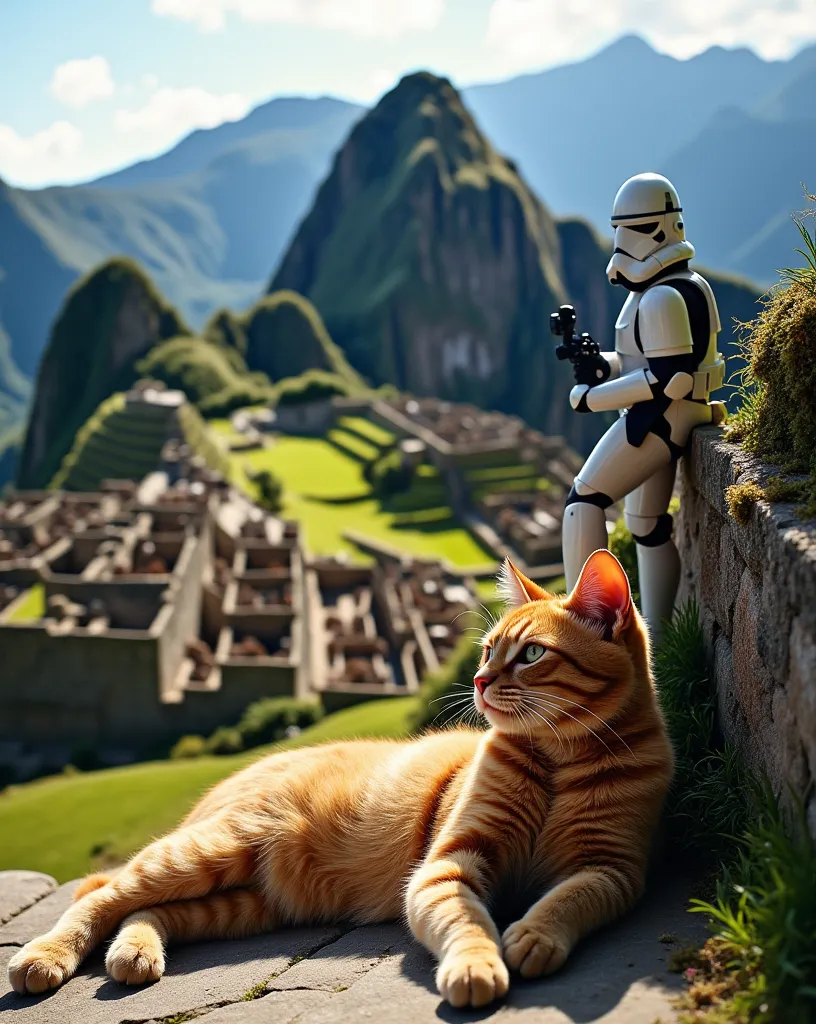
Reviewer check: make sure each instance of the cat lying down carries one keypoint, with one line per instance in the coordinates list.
(559, 799)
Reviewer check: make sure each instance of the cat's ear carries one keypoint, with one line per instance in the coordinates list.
(602, 596)
(515, 588)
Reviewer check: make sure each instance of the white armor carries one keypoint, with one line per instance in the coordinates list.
(660, 376)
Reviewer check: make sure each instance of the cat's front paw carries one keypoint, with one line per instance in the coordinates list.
(41, 965)
(532, 950)
(472, 978)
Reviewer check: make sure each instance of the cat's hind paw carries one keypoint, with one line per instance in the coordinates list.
(473, 978)
(40, 966)
(533, 951)
(136, 955)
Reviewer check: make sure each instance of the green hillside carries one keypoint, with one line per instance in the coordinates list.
(214, 377)
(285, 336)
(123, 442)
(107, 815)
(109, 321)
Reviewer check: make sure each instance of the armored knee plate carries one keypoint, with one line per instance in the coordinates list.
(658, 535)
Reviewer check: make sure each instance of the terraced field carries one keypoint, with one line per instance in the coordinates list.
(326, 491)
(118, 441)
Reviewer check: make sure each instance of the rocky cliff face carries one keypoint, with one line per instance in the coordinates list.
(109, 321)
(435, 267)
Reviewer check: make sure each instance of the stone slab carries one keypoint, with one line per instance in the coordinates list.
(339, 966)
(375, 974)
(198, 976)
(20, 890)
(39, 918)
(279, 1007)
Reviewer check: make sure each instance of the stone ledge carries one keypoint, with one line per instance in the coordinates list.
(326, 976)
(756, 587)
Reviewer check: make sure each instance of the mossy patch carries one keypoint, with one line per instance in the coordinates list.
(777, 419)
(741, 498)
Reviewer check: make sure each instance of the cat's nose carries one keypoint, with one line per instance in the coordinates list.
(483, 679)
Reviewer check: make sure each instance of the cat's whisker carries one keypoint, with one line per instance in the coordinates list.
(548, 723)
(555, 696)
(562, 711)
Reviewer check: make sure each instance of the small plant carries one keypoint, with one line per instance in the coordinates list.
(270, 490)
(266, 721)
(224, 741)
(740, 500)
(188, 747)
(804, 276)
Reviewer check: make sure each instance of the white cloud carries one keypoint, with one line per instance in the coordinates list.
(530, 33)
(39, 157)
(170, 113)
(77, 83)
(384, 18)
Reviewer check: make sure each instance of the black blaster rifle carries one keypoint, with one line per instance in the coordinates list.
(585, 354)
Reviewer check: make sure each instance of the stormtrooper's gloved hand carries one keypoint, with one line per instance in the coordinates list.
(591, 370)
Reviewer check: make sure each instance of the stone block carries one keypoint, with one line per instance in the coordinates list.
(802, 683)
(729, 713)
(20, 890)
(753, 685)
(38, 918)
(727, 572)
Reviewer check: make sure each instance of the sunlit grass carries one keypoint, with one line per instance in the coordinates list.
(68, 824)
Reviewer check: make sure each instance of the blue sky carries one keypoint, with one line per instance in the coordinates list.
(90, 85)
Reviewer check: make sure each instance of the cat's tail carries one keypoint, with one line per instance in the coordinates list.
(136, 954)
(90, 883)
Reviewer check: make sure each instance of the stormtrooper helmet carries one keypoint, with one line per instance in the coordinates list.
(649, 231)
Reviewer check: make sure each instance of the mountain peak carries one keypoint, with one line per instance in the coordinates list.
(422, 117)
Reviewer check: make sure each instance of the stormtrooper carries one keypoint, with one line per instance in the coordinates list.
(659, 378)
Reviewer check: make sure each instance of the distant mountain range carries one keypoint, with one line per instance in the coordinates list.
(425, 262)
(211, 219)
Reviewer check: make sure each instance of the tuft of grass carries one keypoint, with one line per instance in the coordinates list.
(761, 962)
(759, 967)
(707, 803)
(740, 500)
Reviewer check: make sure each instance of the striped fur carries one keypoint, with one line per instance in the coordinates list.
(560, 797)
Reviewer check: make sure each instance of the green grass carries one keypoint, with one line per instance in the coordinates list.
(66, 825)
(324, 489)
(356, 446)
(32, 607)
(373, 432)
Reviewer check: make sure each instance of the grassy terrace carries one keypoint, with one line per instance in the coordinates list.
(94, 818)
(325, 490)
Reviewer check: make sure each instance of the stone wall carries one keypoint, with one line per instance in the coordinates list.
(756, 587)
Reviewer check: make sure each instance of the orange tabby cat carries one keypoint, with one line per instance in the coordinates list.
(558, 800)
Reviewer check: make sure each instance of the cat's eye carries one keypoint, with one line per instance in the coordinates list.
(532, 652)
(488, 653)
